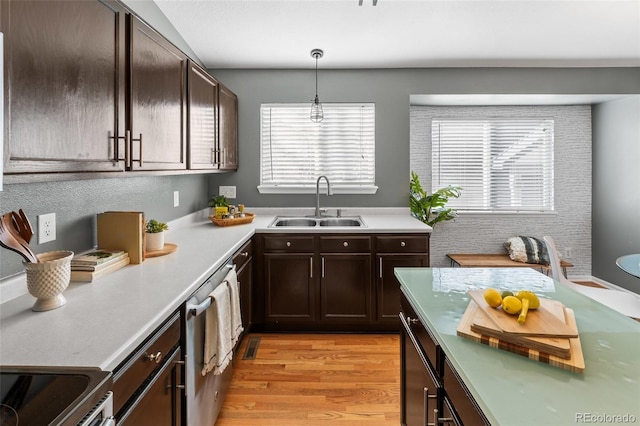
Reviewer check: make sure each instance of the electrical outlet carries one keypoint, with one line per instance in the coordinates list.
(568, 252)
(46, 228)
(176, 198)
(228, 191)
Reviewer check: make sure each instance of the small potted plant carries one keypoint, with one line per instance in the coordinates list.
(155, 235)
(218, 206)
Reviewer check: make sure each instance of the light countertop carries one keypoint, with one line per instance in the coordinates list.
(104, 321)
(512, 389)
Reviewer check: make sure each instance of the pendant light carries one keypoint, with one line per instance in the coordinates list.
(316, 107)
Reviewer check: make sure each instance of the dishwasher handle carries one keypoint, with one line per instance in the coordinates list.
(196, 310)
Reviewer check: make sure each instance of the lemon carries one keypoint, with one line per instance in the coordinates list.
(506, 293)
(492, 297)
(511, 305)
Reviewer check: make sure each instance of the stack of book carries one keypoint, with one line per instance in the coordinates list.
(93, 265)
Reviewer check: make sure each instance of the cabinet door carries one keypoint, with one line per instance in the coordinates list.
(289, 287)
(65, 85)
(419, 393)
(345, 287)
(228, 129)
(159, 403)
(388, 289)
(202, 116)
(157, 100)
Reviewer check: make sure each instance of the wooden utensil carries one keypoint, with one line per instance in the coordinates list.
(9, 241)
(24, 226)
(541, 322)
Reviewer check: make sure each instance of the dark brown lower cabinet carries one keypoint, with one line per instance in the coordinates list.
(388, 288)
(345, 287)
(289, 287)
(431, 391)
(159, 403)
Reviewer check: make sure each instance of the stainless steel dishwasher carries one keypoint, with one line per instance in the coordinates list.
(204, 394)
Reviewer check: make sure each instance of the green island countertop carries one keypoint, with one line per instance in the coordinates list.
(513, 390)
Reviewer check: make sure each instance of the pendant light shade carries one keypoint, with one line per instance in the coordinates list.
(316, 107)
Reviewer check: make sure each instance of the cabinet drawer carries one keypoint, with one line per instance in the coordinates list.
(345, 243)
(243, 255)
(144, 361)
(402, 243)
(463, 404)
(289, 243)
(428, 344)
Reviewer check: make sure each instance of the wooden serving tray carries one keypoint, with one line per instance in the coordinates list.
(558, 346)
(574, 363)
(167, 249)
(540, 322)
(248, 218)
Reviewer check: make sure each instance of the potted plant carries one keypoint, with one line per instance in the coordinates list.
(155, 235)
(218, 201)
(431, 209)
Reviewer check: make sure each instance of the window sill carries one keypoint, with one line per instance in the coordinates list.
(337, 189)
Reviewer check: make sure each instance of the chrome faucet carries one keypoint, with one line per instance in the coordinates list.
(318, 212)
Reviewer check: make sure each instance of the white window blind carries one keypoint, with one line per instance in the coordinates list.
(502, 164)
(295, 150)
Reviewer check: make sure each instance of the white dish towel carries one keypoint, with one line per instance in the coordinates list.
(236, 316)
(218, 346)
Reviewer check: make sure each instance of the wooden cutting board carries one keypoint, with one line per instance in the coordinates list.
(558, 346)
(540, 322)
(574, 363)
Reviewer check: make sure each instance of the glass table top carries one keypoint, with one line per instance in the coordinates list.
(630, 263)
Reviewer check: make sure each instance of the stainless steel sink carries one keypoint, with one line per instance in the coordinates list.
(340, 222)
(311, 222)
(294, 222)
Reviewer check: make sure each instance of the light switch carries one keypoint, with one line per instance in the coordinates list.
(228, 191)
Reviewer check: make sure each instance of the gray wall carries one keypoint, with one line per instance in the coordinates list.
(390, 90)
(570, 225)
(616, 188)
(76, 203)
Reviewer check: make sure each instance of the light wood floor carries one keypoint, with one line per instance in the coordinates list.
(309, 379)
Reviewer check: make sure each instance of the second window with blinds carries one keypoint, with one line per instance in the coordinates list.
(502, 164)
(294, 151)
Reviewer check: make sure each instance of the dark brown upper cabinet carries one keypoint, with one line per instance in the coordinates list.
(156, 116)
(228, 129)
(202, 119)
(212, 117)
(64, 85)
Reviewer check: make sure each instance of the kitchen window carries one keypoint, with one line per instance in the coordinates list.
(294, 151)
(502, 164)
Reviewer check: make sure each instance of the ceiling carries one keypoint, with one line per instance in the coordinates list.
(409, 33)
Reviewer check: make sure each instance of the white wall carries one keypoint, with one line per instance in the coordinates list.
(485, 233)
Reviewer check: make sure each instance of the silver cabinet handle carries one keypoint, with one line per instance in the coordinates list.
(346, 244)
(244, 254)
(157, 357)
(380, 262)
(311, 267)
(402, 244)
(437, 420)
(412, 320)
(425, 402)
(288, 243)
(322, 266)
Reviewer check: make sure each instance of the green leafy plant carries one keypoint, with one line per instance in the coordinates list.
(153, 226)
(431, 209)
(219, 201)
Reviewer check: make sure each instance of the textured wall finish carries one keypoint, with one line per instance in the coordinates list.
(485, 233)
(76, 203)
